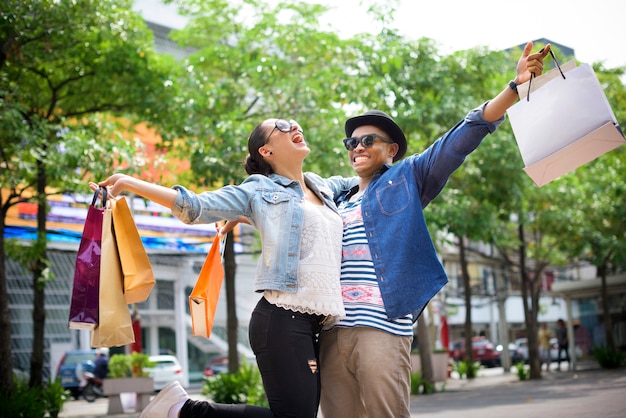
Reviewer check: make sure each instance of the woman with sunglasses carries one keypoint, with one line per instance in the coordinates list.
(298, 269)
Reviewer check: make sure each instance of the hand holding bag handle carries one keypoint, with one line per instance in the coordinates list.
(532, 75)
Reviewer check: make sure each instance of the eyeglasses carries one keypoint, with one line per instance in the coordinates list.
(283, 126)
(366, 141)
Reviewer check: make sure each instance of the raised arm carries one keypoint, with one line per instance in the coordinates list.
(528, 64)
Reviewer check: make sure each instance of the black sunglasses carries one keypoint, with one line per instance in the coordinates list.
(283, 126)
(366, 141)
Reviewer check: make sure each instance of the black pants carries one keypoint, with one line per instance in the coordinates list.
(287, 352)
(564, 348)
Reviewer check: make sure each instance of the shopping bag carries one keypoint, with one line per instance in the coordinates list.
(206, 292)
(138, 275)
(115, 326)
(562, 122)
(86, 285)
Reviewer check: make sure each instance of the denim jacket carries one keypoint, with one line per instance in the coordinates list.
(273, 205)
(407, 267)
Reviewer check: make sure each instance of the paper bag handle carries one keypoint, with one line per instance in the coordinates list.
(532, 75)
(97, 193)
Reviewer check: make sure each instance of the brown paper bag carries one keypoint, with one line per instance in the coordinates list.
(138, 275)
(115, 326)
(206, 292)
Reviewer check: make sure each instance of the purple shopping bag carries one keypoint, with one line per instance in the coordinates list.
(86, 287)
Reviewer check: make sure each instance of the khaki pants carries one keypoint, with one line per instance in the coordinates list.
(365, 373)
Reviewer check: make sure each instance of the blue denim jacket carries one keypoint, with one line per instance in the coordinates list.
(273, 205)
(408, 270)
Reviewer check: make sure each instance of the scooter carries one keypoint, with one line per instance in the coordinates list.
(91, 387)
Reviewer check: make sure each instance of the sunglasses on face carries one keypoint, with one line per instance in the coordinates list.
(366, 141)
(283, 126)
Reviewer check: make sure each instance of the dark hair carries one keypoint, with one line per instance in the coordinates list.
(255, 163)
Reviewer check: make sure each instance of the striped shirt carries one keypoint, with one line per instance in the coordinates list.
(359, 287)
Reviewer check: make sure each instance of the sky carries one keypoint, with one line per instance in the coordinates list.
(595, 29)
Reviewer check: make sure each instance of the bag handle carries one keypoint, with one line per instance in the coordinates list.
(97, 193)
(223, 246)
(532, 75)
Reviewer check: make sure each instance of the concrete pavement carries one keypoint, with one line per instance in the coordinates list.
(590, 392)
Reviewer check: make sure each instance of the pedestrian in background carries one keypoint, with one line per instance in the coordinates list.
(544, 335)
(563, 342)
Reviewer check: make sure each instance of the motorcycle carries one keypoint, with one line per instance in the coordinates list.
(92, 388)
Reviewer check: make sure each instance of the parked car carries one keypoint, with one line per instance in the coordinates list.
(515, 352)
(483, 351)
(166, 370)
(216, 366)
(72, 366)
(219, 364)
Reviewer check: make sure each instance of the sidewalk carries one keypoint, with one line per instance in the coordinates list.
(588, 392)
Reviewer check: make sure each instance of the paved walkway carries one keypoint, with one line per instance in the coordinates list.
(590, 392)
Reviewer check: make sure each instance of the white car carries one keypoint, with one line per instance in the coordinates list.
(165, 371)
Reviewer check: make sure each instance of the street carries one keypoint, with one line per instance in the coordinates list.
(588, 392)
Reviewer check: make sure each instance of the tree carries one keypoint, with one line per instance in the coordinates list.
(597, 204)
(65, 65)
(549, 222)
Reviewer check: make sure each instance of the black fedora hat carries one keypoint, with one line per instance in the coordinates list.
(382, 121)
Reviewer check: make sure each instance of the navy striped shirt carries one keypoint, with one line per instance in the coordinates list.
(359, 287)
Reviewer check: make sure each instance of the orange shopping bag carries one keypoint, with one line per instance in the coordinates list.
(206, 292)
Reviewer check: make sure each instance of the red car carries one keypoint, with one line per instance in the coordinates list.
(483, 351)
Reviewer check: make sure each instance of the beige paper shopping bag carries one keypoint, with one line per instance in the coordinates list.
(115, 326)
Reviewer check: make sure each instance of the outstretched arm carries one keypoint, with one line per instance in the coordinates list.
(528, 64)
(119, 183)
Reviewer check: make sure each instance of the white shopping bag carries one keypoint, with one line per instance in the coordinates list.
(564, 122)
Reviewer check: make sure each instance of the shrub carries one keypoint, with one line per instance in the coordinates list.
(129, 365)
(418, 382)
(41, 401)
(607, 358)
(521, 370)
(462, 368)
(244, 386)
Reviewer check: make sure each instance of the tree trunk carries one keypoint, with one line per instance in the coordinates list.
(469, 353)
(425, 347)
(606, 309)
(530, 313)
(6, 365)
(501, 295)
(39, 283)
(232, 324)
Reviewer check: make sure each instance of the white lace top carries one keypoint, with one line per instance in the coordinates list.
(319, 291)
